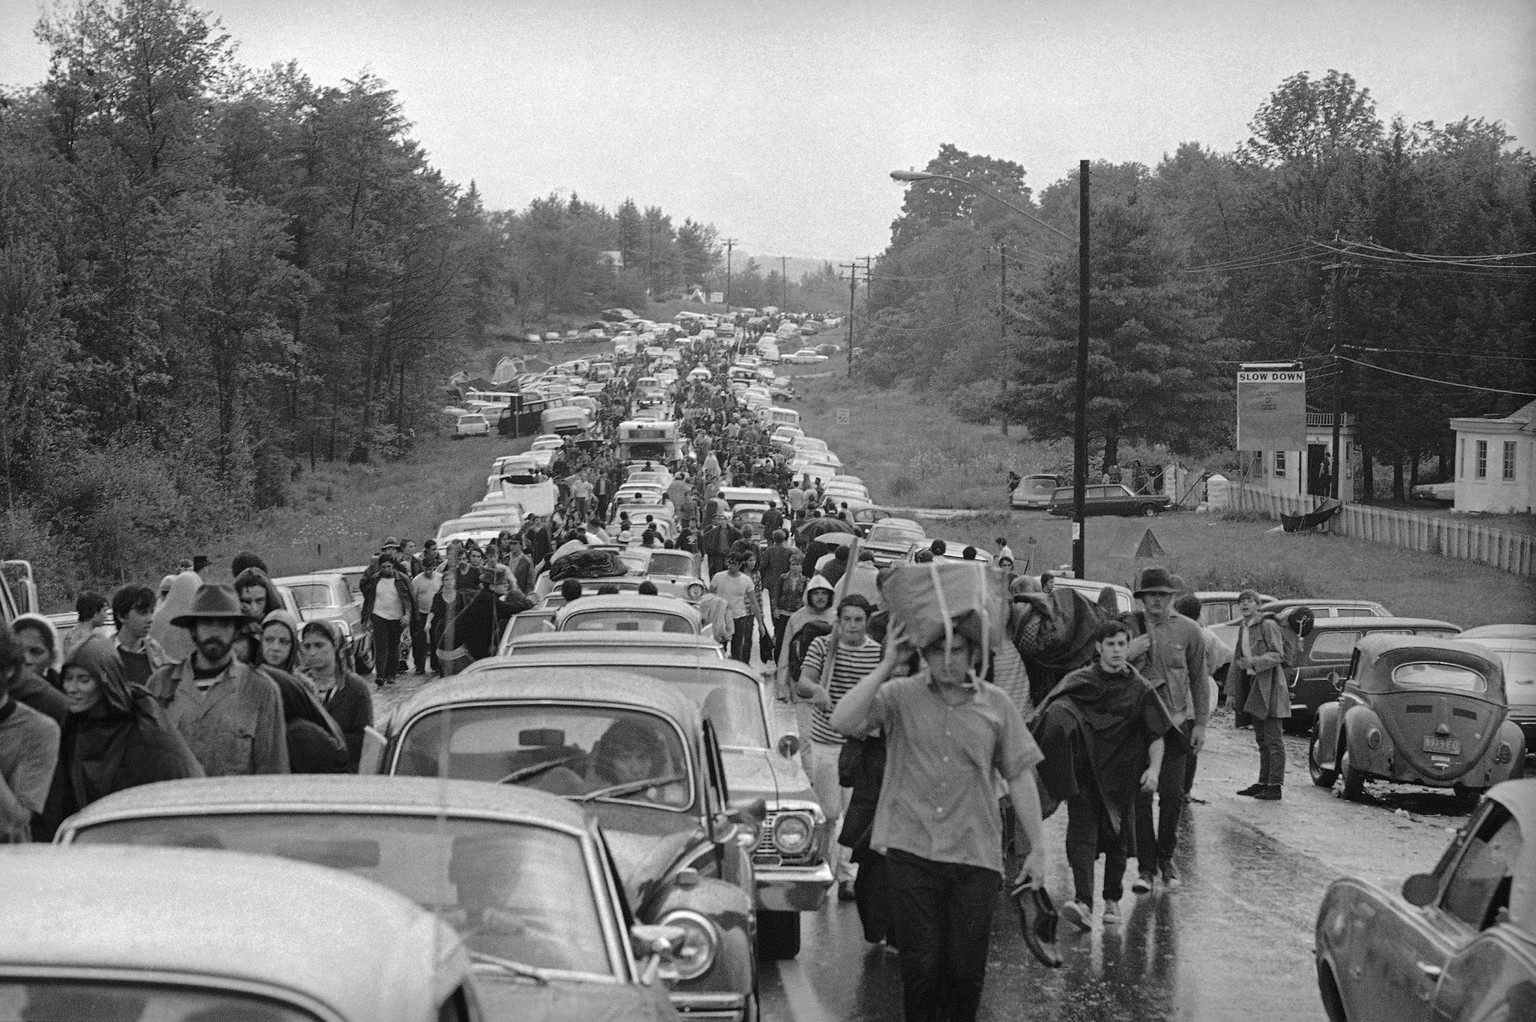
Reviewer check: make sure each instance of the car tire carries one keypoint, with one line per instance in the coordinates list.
(1149, 510)
(1320, 777)
(1466, 796)
(778, 935)
(1354, 780)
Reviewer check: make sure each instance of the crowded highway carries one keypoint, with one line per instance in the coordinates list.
(637, 726)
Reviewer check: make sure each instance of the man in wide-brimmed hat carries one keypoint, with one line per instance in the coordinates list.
(1170, 653)
(230, 714)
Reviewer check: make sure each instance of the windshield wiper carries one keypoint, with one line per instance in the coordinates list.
(518, 969)
(523, 773)
(630, 787)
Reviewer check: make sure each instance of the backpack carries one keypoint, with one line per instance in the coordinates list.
(1292, 630)
(801, 644)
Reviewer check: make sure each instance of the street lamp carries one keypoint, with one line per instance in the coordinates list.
(1080, 433)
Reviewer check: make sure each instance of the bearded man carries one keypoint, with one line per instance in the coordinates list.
(230, 714)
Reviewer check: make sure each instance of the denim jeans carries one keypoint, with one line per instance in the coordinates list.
(1266, 731)
(386, 647)
(1157, 845)
(943, 916)
(741, 639)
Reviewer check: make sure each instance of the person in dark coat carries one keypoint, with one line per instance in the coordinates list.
(342, 694)
(315, 741)
(1102, 732)
(116, 737)
(479, 625)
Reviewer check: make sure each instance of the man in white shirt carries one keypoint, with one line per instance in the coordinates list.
(740, 595)
(424, 588)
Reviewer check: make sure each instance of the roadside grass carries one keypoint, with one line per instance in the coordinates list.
(1214, 553)
(340, 513)
(909, 449)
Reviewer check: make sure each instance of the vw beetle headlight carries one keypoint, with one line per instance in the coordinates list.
(701, 944)
(792, 833)
(695, 590)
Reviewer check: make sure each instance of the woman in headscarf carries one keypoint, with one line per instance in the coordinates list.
(116, 737)
(175, 641)
(41, 650)
(39, 683)
(343, 694)
(315, 742)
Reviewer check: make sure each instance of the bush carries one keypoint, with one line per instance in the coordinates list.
(902, 486)
(25, 534)
(1281, 582)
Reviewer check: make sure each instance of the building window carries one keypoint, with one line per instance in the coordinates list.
(1279, 464)
(1481, 471)
(1509, 460)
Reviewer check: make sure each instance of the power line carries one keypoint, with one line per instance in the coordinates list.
(1440, 351)
(1494, 257)
(1427, 379)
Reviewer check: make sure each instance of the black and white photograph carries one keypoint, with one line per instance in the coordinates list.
(806, 511)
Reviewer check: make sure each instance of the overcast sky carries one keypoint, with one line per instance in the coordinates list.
(778, 121)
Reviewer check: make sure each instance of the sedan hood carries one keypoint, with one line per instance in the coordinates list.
(507, 997)
(759, 773)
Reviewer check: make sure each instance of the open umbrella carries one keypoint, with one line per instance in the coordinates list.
(830, 539)
(819, 526)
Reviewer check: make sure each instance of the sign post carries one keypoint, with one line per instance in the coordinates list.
(1272, 408)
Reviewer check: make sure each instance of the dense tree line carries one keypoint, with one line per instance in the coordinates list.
(212, 275)
(1328, 232)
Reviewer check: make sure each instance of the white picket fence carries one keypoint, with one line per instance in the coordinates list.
(1448, 537)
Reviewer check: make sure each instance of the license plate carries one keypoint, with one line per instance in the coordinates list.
(1444, 746)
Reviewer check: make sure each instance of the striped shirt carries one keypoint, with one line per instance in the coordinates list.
(850, 666)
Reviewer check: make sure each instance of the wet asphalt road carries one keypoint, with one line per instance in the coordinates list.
(1233, 941)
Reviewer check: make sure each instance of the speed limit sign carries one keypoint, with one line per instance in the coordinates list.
(842, 417)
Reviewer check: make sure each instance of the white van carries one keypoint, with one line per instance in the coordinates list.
(774, 416)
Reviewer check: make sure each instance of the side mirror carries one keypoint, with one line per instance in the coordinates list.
(1336, 680)
(789, 746)
(1420, 889)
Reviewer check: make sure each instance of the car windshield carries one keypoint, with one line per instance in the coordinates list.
(670, 563)
(619, 620)
(1519, 664)
(513, 890)
(575, 751)
(891, 532)
(108, 999)
(1441, 676)
(313, 596)
(1038, 485)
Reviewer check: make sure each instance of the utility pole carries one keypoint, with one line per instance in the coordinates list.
(1002, 328)
(1338, 379)
(783, 284)
(853, 286)
(1080, 439)
(729, 244)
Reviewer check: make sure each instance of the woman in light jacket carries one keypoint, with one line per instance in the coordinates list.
(1267, 700)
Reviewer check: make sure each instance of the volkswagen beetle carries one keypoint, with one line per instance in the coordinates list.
(1460, 944)
(1417, 710)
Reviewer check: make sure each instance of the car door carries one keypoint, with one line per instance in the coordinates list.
(1481, 959)
(1401, 952)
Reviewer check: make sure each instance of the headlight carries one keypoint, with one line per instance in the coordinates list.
(792, 833)
(700, 944)
(695, 590)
